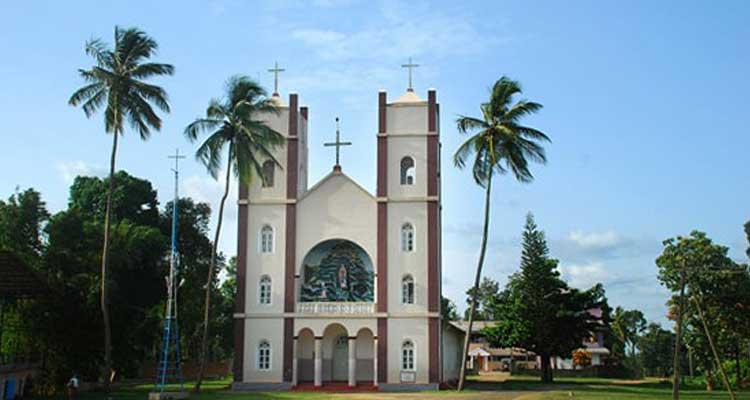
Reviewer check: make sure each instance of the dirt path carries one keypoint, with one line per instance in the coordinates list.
(483, 395)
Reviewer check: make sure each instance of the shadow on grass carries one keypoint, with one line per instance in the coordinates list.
(612, 387)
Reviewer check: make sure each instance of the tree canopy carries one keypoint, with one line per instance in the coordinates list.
(539, 311)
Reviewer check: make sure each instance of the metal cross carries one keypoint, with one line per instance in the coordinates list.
(177, 157)
(276, 71)
(410, 66)
(338, 143)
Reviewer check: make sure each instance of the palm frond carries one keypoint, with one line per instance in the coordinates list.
(153, 93)
(85, 93)
(95, 102)
(502, 94)
(194, 129)
(521, 109)
(209, 153)
(466, 124)
(147, 70)
(465, 151)
(134, 45)
(142, 116)
(100, 51)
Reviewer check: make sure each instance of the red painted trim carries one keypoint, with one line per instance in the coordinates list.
(432, 144)
(288, 348)
(239, 348)
(382, 97)
(382, 260)
(293, 109)
(239, 299)
(433, 339)
(382, 350)
(291, 211)
(433, 282)
(382, 185)
(290, 255)
(431, 111)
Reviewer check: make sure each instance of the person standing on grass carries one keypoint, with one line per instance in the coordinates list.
(73, 384)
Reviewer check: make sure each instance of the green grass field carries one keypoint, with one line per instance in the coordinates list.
(522, 388)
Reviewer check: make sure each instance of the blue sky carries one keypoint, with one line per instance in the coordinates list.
(645, 103)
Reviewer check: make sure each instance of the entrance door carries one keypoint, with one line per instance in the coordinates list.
(340, 359)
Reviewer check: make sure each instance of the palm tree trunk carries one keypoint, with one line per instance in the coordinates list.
(678, 336)
(105, 259)
(209, 282)
(475, 291)
(713, 349)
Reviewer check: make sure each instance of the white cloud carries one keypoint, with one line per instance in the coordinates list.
(71, 169)
(596, 240)
(583, 276)
(368, 55)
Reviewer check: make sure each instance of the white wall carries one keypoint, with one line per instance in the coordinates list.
(415, 329)
(401, 263)
(272, 330)
(336, 209)
(259, 263)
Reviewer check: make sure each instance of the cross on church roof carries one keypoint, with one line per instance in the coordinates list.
(276, 71)
(338, 143)
(410, 65)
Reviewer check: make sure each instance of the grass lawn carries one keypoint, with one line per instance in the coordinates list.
(484, 387)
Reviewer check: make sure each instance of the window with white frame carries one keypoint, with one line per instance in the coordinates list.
(264, 290)
(268, 173)
(407, 355)
(407, 290)
(407, 237)
(264, 355)
(407, 171)
(266, 239)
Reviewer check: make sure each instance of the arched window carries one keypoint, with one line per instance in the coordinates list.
(264, 290)
(264, 355)
(407, 237)
(268, 171)
(407, 171)
(266, 239)
(407, 355)
(407, 290)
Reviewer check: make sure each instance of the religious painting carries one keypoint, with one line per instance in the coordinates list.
(337, 270)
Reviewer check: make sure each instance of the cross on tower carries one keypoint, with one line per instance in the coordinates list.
(276, 71)
(177, 157)
(338, 143)
(410, 66)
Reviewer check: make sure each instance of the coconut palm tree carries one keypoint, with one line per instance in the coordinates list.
(498, 144)
(116, 82)
(233, 123)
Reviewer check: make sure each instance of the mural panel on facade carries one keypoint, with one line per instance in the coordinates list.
(337, 270)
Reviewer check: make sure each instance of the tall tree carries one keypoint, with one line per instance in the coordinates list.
(655, 347)
(117, 83)
(747, 236)
(488, 290)
(498, 144)
(705, 277)
(235, 123)
(628, 326)
(448, 309)
(22, 219)
(539, 311)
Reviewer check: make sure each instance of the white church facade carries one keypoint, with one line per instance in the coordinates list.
(335, 284)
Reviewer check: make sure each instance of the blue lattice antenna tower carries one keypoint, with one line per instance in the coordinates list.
(169, 368)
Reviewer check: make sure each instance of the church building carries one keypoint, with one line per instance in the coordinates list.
(336, 285)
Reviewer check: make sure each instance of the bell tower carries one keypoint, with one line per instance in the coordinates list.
(408, 255)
